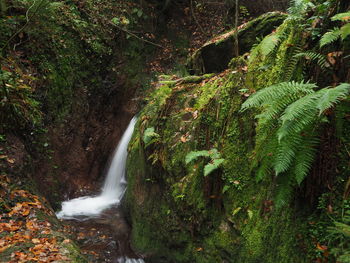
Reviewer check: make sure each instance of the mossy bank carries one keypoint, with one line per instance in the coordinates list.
(194, 190)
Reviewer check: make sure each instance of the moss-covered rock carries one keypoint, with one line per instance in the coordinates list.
(180, 215)
(215, 55)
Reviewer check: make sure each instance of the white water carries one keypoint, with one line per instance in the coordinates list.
(130, 260)
(112, 190)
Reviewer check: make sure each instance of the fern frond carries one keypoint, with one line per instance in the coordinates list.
(149, 134)
(312, 56)
(269, 43)
(266, 46)
(291, 64)
(305, 157)
(194, 155)
(331, 96)
(267, 95)
(212, 166)
(330, 37)
(298, 115)
(345, 31)
(299, 7)
(286, 152)
(341, 17)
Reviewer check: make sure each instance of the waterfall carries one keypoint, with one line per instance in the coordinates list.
(112, 190)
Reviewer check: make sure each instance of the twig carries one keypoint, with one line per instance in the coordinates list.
(134, 35)
(23, 27)
(195, 19)
(126, 31)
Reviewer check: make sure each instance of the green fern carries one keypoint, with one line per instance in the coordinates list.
(288, 126)
(150, 136)
(312, 56)
(292, 63)
(332, 96)
(345, 31)
(341, 17)
(276, 92)
(212, 166)
(305, 156)
(298, 8)
(337, 33)
(267, 45)
(341, 233)
(214, 163)
(330, 37)
(194, 155)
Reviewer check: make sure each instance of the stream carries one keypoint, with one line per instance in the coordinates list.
(97, 221)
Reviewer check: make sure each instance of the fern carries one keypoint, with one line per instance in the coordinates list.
(330, 37)
(345, 31)
(298, 8)
(305, 157)
(341, 17)
(275, 92)
(291, 113)
(285, 154)
(332, 96)
(210, 167)
(341, 232)
(292, 64)
(312, 56)
(337, 33)
(214, 163)
(194, 155)
(150, 136)
(269, 43)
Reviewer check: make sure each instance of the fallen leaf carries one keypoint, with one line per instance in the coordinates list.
(183, 138)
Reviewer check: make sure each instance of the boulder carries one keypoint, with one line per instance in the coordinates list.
(215, 55)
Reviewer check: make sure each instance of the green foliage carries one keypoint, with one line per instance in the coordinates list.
(267, 46)
(194, 155)
(337, 33)
(291, 116)
(298, 8)
(214, 163)
(341, 17)
(18, 108)
(150, 136)
(330, 37)
(320, 59)
(340, 232)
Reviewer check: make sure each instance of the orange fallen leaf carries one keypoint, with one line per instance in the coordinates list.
(321, 247)
(36, 240)
(11, 160)
(183, 138)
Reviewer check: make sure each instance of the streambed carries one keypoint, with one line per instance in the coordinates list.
(104, 238)
(96, 221)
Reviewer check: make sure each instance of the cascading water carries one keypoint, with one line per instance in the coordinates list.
(113, 189)
(87, 207)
